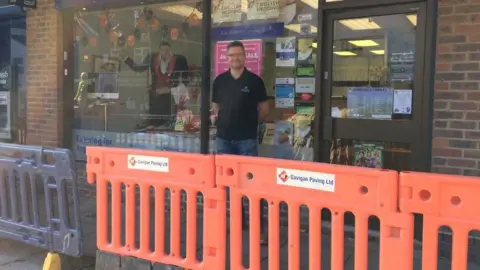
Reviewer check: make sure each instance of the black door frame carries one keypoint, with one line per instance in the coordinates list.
(417, 131)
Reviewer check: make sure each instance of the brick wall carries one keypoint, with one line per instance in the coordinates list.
(44, 60)
(456, 134)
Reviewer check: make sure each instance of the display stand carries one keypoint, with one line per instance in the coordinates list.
(104, 104)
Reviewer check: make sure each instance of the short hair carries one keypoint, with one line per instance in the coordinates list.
(164, 43)
(237, 44)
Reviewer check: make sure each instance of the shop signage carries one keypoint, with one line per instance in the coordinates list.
(24, 3)
(251, 31)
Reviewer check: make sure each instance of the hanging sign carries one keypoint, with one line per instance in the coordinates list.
(226, 11)
(24, 3)
(263, 9)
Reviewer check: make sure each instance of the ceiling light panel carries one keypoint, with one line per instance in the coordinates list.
(360, 24)
(345, 53)
(363, 43)
(413, 19)
(312, 3)
(379, 52)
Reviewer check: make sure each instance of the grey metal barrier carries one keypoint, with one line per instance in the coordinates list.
(39, 198)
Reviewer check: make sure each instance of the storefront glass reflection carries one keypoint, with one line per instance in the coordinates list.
(280, 44)
(137, 78)
(373, 67)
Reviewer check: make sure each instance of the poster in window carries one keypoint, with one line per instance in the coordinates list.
(263, 9)
(284, 93)
(285, 52)
(305, 50)
(370, 102)
(253, 54)
(402, 101)
(226, 11)
(368, 155)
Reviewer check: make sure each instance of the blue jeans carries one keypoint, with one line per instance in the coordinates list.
(232, 147)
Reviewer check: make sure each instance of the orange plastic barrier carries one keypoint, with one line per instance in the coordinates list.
(364, 192)
(444, 200)
(158, 170)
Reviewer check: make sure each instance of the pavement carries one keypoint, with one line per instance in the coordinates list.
(19, 256)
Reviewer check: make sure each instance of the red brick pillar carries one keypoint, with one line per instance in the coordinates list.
(44, 73)
(456, 133)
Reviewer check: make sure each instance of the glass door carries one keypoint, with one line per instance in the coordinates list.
(372, 94)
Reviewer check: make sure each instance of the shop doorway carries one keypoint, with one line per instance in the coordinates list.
(373, 101)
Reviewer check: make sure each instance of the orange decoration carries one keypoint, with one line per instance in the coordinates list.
(193, 19)
(103, 19)
(92, 41)
(113, 36)
(131, 41)
(155, 24)
(141, 23)
(174, 33)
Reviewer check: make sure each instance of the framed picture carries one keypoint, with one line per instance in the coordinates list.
(103, 63)
(105, 75)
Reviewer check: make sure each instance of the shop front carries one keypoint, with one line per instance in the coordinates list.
(348, 82)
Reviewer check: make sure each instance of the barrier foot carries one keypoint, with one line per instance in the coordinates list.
(52, 262)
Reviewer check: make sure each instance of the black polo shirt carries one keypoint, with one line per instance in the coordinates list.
(238, 101)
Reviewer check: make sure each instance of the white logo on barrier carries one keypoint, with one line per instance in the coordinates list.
(306, 179)
(147, 163)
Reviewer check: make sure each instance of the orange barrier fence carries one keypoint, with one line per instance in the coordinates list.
(341, 189)
(444, 200)
(146, 170)
(162, 188)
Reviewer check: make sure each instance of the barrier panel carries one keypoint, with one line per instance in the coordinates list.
(444, 200)
(341, 189)
(143, 174)
(39, 200)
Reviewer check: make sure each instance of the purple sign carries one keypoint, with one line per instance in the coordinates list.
(249, 31)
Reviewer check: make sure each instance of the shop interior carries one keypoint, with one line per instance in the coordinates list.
(372, 70)
(118, 115)
(112, 100)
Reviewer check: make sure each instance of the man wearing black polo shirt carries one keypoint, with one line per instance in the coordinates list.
(240, 102)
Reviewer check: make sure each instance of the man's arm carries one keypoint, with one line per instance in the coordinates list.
(263, 110)
(215, 101)
(262, 100)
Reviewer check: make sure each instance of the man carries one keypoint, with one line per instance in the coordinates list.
(240, 102)
(168, 70)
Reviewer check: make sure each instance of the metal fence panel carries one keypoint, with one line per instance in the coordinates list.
(39, 200)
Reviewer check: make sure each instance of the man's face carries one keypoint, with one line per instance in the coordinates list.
(164, 52)
(236, 57)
